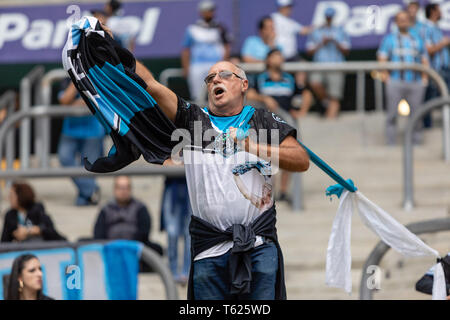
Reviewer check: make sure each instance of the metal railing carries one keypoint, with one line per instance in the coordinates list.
(408, 155)
(360, 67)
(44, 124)
(26, 88)
(8, 102)
(150, 257)
(374, 258)
(63, 111)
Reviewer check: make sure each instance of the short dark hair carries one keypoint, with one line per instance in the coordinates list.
(115, 5)
(272, 51)
(25, 194)
(262, 21)
(98, 11)
(429, 8)
(18, 265)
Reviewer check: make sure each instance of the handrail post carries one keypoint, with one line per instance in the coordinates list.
(26, 86)
(378, 94)
(8, 102)
(408, 184)
(46, 95)
(446, 132)
(360, 89)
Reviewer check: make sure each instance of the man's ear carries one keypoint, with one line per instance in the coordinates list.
(244, 85)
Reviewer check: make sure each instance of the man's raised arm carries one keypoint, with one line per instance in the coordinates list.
(165, 98)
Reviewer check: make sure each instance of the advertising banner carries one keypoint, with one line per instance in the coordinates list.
(38, 33)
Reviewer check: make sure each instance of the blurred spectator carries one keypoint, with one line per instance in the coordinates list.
(255, 48)
(277, 89)
(328, 43)
(175, 217)
(418, 27)
(205, 43)
(80, 136)
(287, 29)
(403, 46)
(125, 217)
(25, 280)
(437, 47)
(122, 30)
(26, 220)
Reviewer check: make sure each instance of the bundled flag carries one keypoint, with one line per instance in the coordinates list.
(104, 74)
(390, 231)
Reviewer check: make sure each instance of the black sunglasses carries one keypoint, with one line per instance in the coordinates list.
(225, 74)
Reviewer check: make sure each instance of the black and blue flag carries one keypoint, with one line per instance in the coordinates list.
(104, 74)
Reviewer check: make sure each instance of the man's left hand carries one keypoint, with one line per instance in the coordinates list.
(243, 144)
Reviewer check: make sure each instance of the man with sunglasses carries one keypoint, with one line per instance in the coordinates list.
(235, 251)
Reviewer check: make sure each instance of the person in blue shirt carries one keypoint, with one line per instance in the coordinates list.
(437, 47)
(404, 46)
(81, 137)
(417, 26)
(255, 48)
(205, 43)
(328, 43)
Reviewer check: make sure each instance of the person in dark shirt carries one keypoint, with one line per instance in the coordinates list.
(125, 217)
(25, 280)
(27, 220)
(277, 90)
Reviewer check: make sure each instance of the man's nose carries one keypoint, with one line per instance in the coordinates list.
(217, 78)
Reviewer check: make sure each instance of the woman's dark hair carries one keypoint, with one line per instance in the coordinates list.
(25, 194)
(13, 283)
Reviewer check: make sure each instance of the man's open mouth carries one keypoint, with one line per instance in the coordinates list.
(218, 91)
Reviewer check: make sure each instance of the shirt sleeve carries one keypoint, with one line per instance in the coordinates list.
(186, 113)
(187, 40)
(312, 40)
(144, 225)
(385, 47)
(344, 39)
(297, 27)
(247, 47)
(100, 226)
(272, 121)
(8, 227)
(225, 35)
(422, 49)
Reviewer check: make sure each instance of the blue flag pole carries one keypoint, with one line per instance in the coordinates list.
(327, 169)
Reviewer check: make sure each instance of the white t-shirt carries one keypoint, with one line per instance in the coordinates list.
(227, 185)
(222, 198)
(286, 31)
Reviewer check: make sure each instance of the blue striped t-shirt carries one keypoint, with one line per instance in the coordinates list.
(406, 48)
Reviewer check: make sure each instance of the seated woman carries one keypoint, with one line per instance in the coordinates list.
(25, 281)
(27, 220)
